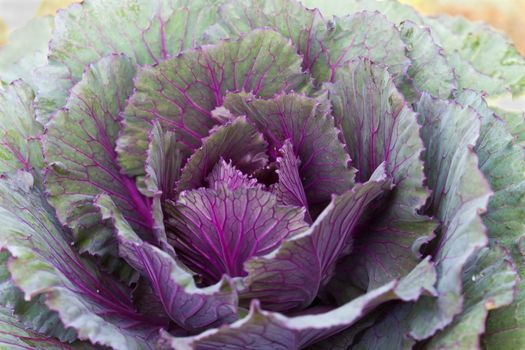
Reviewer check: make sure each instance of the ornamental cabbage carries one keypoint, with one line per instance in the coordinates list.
(259, 174)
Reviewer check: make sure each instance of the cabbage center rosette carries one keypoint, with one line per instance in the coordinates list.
(256, 175)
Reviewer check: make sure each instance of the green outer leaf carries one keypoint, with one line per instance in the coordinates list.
(503, 163)
(26, 50)
(460, 195)
(15, 335)
(506, 326)
(515, 124)
(489, 52)
(394, 10)
(324, 45)
(224, 143)
(367, 34)
(391, 326)
(427, 58)
(489, 282)
(189, 306)
(33, 315)
(344, 339)
(182, 92)
(471, 78)
(483, 59)
(305, 28)
(19, 132)
(51, 97)
(465, 73)
(379, 126)
(271, 330)
(147, 31)
(430, 70)
(82, 163)
(44, 263)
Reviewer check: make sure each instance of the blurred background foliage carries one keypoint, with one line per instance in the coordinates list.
(506, 15)
(15, 13)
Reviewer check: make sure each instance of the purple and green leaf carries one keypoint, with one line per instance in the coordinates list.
(181, 92)
(290, 277)
(44, 263)
(79, 148)
(189, 306)
(379, 126)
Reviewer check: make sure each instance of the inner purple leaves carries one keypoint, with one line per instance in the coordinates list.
(310, 128)
(236, 141)
(216, 230)
(289, 189)
(225, 174)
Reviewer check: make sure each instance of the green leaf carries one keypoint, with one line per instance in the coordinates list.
(506, 326)
(430, 71)
(489, 52)
(32, 315)
(502, 162)
(162, 171)
(344, 339)
(79, 148)
(515, 124)
(147, 31)
(427, 58)
(19, 131)
(395, 11)
(44, 263)
(489, 282)
(324, 45)
(367, 34)
(482, 59)
(182, 92)
(489, 278)
(303, 27)
(460, 195)
(470, 78)
(379, 126)
(163, 164)
(15, 335)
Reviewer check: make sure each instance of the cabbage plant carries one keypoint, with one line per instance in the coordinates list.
(260, 174)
